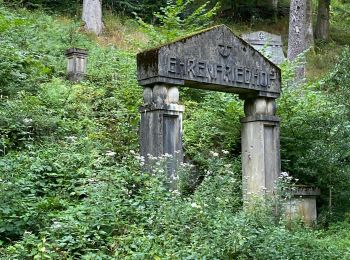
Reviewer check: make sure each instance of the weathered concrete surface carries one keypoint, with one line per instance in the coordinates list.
(303, 205)
(260, 148)
(214, 59)
(268, 44)
(76, 64)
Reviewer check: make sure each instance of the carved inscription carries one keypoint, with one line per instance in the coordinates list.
(216, 73)
(214, 59)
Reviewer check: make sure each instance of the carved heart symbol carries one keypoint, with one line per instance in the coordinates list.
(225, 50)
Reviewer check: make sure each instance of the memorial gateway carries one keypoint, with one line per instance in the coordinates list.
(214, 59)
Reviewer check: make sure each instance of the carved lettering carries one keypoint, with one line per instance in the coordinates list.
(181, 68)
(190, 68)
(229, 73)
(172, 65)
(255, 78)
(211, 71)
(263, 79)
(239, 75)
(247, 76)
(272, 78)
(201, 69)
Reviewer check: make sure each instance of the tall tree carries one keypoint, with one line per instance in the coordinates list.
(274, 5)
(309, 33)
(322, 25)
(300, 33)
(92, 16)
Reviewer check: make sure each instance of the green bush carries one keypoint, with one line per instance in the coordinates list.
(315, 136)
(211, 127)
(71, 184)
(174, 21)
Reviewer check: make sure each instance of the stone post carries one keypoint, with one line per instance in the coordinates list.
(260, 147)
(302, 204)
(161, 125)
(77, 64)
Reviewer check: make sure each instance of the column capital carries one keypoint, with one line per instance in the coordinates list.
(259, 106)
(161, 94)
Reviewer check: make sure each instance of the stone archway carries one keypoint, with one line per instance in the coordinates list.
(214, 59)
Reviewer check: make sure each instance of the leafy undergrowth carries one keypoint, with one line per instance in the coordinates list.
(71, 184)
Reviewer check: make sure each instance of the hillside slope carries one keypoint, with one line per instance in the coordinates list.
(71, 184)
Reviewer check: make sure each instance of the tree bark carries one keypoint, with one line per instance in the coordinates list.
(299, 33)
(322, 25)
(297, 21)
(274, 5)
(92, 16)
(309, 34)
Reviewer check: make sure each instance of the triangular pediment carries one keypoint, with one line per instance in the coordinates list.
(262, 37)
(214, 59)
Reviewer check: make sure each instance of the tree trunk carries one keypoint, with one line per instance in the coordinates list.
(322, 25)
(297, 39)
(297, 21)
(274, 5)
(309, 34)
(92, 16)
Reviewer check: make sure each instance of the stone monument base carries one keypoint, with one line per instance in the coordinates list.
(302, 205)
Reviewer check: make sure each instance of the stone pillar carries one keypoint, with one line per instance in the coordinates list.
(161, 124)
(260, 147)
(77, 64)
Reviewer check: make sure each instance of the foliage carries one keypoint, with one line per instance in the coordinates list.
(175, 21)
(72, 184)
(219, 125)
(338, 81)
(315, 137)
(145, 8)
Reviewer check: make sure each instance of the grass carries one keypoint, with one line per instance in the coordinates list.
(122, 32)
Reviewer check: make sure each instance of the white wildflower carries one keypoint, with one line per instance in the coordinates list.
(284, 174)
(214, 154)
(56, 225)
(71, 138)
(175, 192)
(195, 205)
(166, 155)
(27, 121)
(92, 181)
(110, 153)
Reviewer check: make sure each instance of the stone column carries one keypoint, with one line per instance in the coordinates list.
(260, 147)
(161, 125)
(76, 64)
